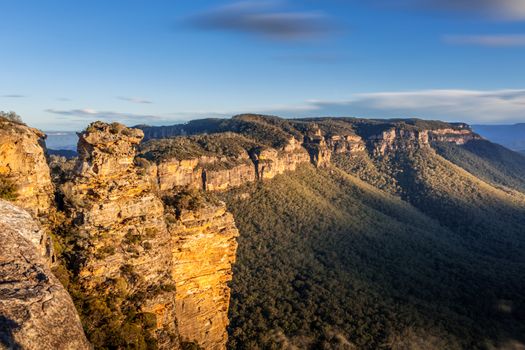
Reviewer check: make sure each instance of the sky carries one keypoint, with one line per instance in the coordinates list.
(66, 63)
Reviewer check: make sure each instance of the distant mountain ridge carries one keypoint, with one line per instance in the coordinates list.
(510, 136)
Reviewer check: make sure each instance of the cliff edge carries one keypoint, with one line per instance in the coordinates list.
(36, 312)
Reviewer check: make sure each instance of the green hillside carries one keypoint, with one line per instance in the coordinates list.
(328, 261)
(488, 161)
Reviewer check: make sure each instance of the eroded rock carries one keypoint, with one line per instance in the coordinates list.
(124, 248)
(23, 163)
(36, 312)
(203, 253)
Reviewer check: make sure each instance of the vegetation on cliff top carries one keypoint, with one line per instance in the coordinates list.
(11, 116)
(229, 145)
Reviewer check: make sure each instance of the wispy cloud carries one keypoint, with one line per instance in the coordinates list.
(516, 40)
(89, 114)
(134, 100)
(83, 116)
(451, 105)
(13, 96)
(264, 18)
(507, 10)
(317, 58)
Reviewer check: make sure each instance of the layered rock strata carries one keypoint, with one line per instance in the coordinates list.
(203, 253)
(23, 163)
(124, 246)
(25, 177)
(36, 312)
(217, 173)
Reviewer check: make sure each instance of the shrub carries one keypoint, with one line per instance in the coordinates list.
(7, 188)
(11, 116)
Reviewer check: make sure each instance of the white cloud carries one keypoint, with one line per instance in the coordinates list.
(88, 114)
(450, 105)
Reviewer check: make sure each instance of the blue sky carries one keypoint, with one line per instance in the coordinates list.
(66, 63)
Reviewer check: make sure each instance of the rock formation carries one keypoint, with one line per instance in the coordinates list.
(203, 252)
(204, 172)
(36, 312)
(218, 173)
(320, 139)
(23, 163)
(459, 137)
(124, 250)
(24, 175)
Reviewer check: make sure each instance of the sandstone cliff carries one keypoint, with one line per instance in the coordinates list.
(204, 247)
(123, 251)
(36, 312)
(271, 146)
(249, 162)
(23, 162)
(24, 175)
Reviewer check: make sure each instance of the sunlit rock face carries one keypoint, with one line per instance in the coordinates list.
(397, 138)
(345, 144)
(203, 252)
(23, 162)
(212, 173)
(36, 312)
(459, 137)
(208, 173)
(121, 234)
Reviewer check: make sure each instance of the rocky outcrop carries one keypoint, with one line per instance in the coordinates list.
(124, 248)
(211, 173)
(23, 163)
(203, 252)
(345, 144)
(457, 136)
(396, 138)
(36, 312)
(270, 162)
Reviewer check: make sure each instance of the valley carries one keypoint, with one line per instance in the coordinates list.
(259, 232)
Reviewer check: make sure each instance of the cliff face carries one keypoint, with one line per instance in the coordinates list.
(459, 137)
(397, 138)
(124, 250)
(203, 252)
(36, 312)
(216, 173)
(204, 172)
(299, 142)
(23, 163)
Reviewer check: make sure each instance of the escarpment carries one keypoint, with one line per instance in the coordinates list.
(36, 312)
(122, 251)
(268, 146)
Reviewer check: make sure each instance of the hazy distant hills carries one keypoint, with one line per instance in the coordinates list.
(510, 136)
